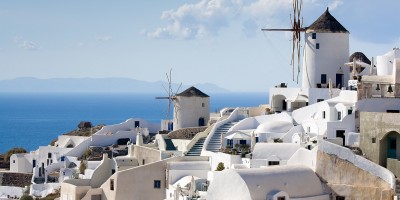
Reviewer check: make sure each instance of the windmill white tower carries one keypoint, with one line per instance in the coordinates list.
(191, 108)
(326, 50)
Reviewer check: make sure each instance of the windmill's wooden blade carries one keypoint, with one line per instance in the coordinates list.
(282, 29)
(162, 97)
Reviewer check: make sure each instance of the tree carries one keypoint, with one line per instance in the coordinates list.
(82, 167)
(26, 197)
(220, 166)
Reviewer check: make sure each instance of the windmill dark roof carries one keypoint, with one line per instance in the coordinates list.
(192, 92)
(359, 56)
(326, 23)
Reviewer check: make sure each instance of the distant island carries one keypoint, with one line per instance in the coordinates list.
(94, 85)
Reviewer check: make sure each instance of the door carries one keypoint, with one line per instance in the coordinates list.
(340, 134)
(339, 80)
(392, 146)
(284, 105)
(201, 121)
(137, 124)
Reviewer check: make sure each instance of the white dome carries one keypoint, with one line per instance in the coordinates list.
(274, 127)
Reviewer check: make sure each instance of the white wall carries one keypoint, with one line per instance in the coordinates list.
(181, 144)
(321, 93)
(227, 159)
(346, 124)
(12, 191)
(43, 190)
(304, 157)
(188, 110)
(64, 140)
(20, 163)
(385, 62)
(333, 52)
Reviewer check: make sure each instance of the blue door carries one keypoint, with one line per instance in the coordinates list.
(391, 147)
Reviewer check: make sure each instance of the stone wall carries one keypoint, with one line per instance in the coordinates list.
(347, 180)
(186, 133)
(15, 179)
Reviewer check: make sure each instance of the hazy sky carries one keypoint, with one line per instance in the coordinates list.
(215, 41)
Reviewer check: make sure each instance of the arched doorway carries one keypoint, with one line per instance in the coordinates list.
(278, 103)
(389, 147)
(201, 121)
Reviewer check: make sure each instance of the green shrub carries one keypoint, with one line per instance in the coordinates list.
(87, 154)
(26, 197)
(220, 166)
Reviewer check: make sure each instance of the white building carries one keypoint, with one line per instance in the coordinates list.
(271, 183)
(191, 109)
(325, 51)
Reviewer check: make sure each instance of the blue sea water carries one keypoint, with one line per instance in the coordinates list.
(33, 120)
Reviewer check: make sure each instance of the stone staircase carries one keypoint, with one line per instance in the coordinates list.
(215, 142)
(197, 147)
(169, 145)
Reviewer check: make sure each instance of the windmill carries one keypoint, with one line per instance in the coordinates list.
(171, 95)
(297, 23)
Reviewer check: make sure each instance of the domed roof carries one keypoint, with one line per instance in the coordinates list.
(360, 57)
(274, 127)
(326, 23)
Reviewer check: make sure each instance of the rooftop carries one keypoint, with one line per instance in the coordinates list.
(192, 92)
(326, 23)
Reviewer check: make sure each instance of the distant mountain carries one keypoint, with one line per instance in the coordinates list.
(95, 85)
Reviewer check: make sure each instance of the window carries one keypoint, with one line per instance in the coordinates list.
(373, 140)
(356, 114)
(323, 78)
(273, 162)
(319, 100)
(242, 141)
(339, 115)
(229, 143)
(323, 114)
(349, 111)
(314, 35)
(202, 105)
(111, 184)
(340, 198)
(157, 184)
(49, 155)
(317, 46)
(13, 161)
(281, 198)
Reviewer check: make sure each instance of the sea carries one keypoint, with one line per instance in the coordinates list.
(33, 120)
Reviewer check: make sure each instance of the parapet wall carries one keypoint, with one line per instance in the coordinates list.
(352, 176)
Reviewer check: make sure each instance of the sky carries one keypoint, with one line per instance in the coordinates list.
(202, 41)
